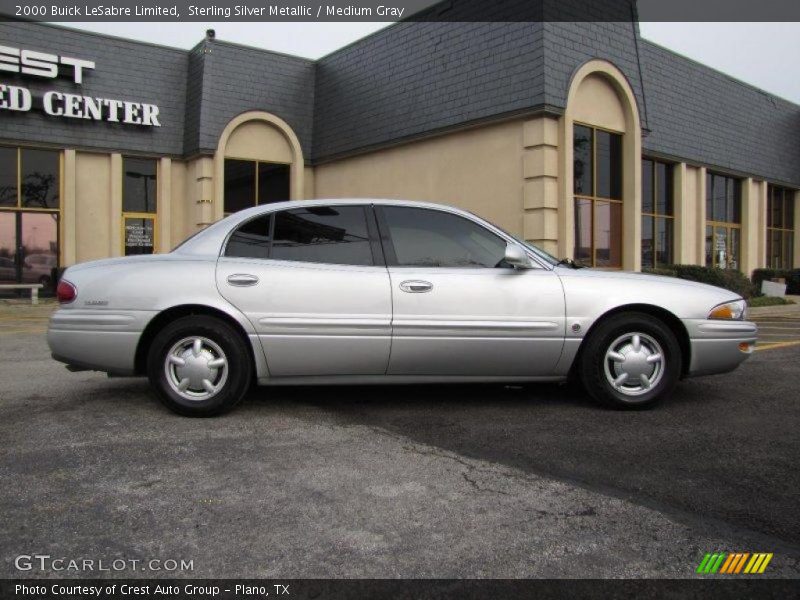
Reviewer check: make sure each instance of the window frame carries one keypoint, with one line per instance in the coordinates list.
(376, 249)
(255, 163)
(153, 216)
(388, 244)
(655, 215)
(593, 198)
(728, 226)
(787, 197)
(19, 209)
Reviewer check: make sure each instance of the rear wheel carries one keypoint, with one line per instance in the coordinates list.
(631, 360)
(199, 366)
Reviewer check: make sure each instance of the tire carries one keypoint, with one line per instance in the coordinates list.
(203, 349)
(617, 375)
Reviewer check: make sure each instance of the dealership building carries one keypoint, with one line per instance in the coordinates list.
(581, 137)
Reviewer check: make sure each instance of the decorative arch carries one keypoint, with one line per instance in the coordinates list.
(593, 76)
(256, 120)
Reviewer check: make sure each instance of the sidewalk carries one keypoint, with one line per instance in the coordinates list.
(787, 310)
(18, 316)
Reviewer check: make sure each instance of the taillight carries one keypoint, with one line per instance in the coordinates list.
(66, 292)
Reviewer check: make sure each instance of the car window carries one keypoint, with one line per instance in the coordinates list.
(251, 239)
(323, 234)
(432, 238)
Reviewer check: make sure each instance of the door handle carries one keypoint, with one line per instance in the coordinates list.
(242, 279)
(416, 286)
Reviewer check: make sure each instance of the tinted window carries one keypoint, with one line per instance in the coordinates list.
(582, 143)
(609, 165)
(40, 178)
(250, 240)
(240, 184)
(8, 176)
(431, 238)
(273, 183)
(322, 234)
(139, 185)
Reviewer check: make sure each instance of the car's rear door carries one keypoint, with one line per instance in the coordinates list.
(457, 308)
(313, 283)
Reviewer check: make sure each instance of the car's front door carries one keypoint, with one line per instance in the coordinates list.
(458, 309)
(313, 283)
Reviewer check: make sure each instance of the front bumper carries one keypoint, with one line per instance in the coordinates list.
(719, 346)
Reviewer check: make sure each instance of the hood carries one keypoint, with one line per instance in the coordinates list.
(594, 291)
(635, 276)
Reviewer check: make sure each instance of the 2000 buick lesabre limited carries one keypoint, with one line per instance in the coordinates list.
(372, 291)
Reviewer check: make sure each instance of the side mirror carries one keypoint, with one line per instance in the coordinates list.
(516, 257)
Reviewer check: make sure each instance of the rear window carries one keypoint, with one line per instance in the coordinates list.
(251, 239)
(323, 234)
(318, 234)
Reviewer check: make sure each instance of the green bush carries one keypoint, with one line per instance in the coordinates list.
(792, 278)
(768, 301)
(729, 279)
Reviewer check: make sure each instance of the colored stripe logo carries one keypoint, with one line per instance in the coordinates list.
(734, 563)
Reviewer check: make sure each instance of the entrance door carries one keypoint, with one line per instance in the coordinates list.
(28, 247)
(458, 308)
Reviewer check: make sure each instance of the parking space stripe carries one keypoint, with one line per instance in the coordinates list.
(775, 345)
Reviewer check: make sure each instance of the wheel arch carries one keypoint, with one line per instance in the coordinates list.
(668, 318)
(176, 312)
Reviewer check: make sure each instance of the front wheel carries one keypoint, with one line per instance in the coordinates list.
(631, 360)
(199, 366)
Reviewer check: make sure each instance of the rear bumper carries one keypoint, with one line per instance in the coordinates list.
(112, 352)
(97, 340)
(719, 346)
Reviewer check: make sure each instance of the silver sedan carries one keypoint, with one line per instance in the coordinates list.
(368, 291)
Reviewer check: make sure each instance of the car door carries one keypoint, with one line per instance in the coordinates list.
(313, 283)
(458, 309)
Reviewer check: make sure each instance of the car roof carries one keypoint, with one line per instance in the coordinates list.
(210, 240)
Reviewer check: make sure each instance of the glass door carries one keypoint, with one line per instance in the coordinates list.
(722, 246)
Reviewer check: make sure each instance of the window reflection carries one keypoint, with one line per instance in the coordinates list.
(30, 181)
(780, 227)
(582, 144)
(40, 184)
(8, 176)
(139, 193)
(724, 213)
(657, 214)
(598, 196)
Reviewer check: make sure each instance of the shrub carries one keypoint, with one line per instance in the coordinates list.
(792, 278)
(729, 279)
(768, 301)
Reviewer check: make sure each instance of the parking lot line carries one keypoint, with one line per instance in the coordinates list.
(775, 345)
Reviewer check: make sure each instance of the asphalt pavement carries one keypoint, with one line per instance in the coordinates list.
(413, 481)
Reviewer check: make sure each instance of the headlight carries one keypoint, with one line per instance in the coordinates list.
(730, 311)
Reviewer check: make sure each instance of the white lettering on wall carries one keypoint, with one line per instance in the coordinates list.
(41, 64)
(64, 104)
(15, 98)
